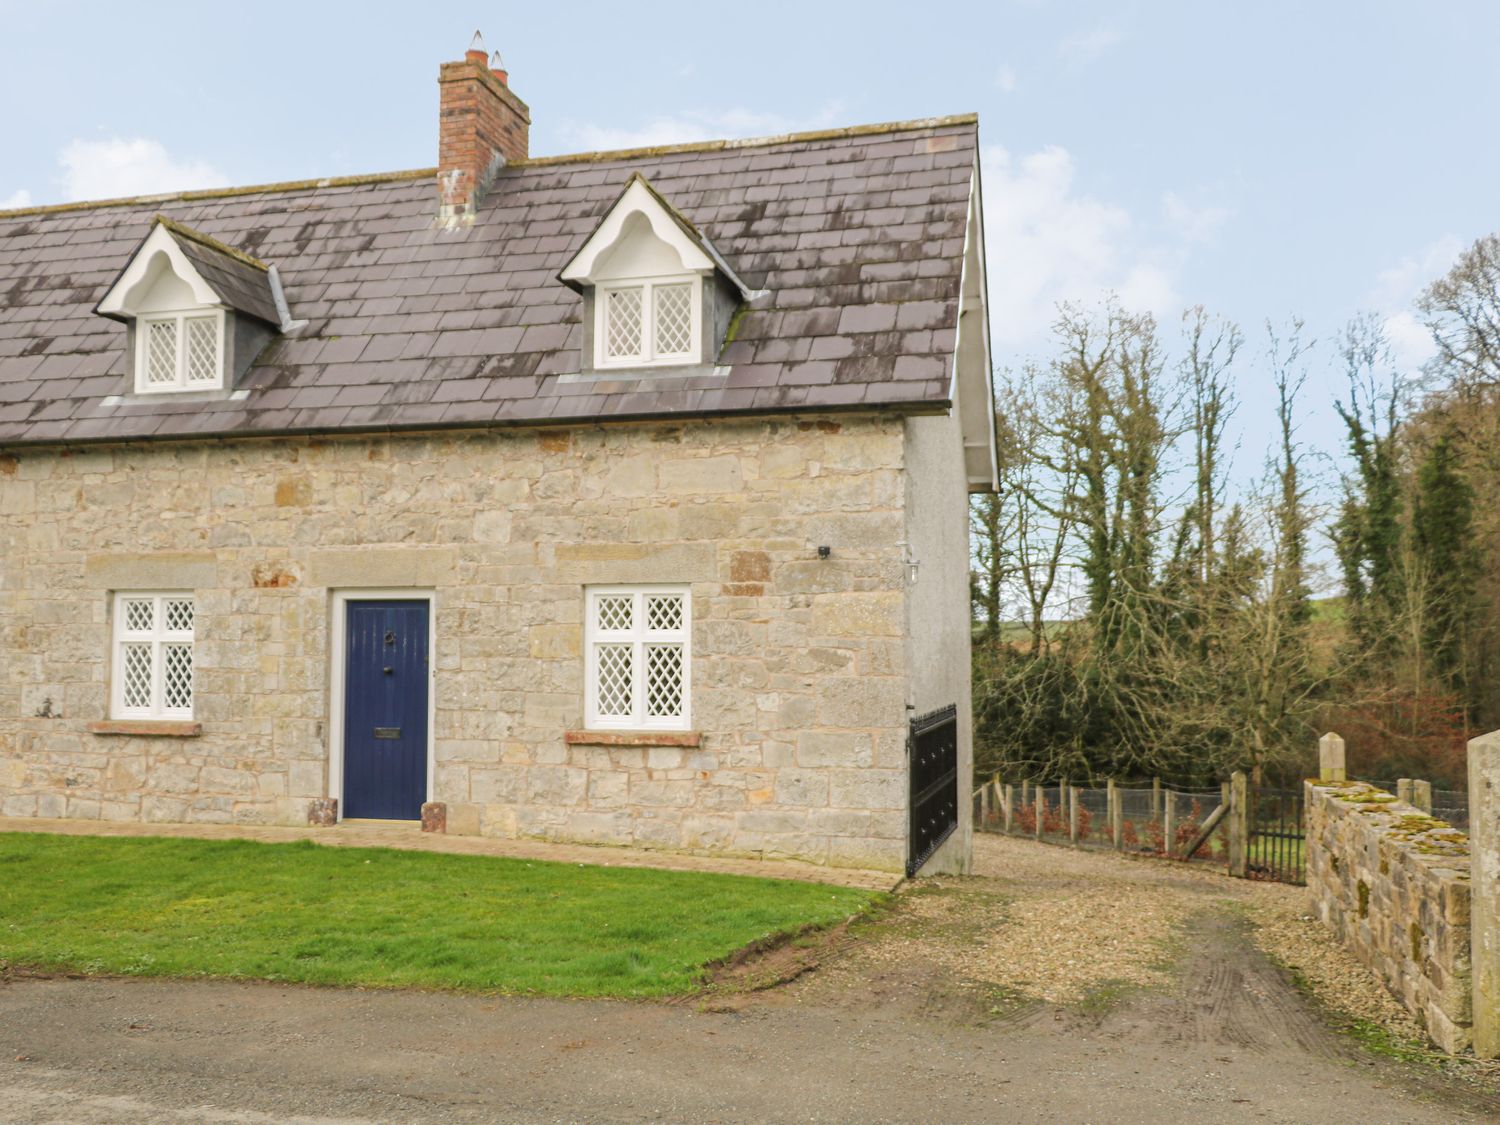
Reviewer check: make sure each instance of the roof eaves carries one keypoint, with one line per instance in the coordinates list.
(912, 407)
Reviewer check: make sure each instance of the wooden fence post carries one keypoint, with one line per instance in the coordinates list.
(1009, 807)
(1073, 815)
(1331, 758)
(1403, 789)
(1239, 825)
(1484, 890)
(984, 807)
(1041, 809)
(1116, 819)
(1169, 824)
(1156, 798)
(1025, 791)
(1421, 795)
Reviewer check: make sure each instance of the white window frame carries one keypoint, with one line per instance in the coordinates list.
(640, 638)
(180, 384)
(158, 637)
(648, 356)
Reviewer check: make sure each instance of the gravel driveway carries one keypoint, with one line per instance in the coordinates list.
(1051, 987)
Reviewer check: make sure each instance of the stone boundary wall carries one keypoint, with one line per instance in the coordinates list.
(1393, 884)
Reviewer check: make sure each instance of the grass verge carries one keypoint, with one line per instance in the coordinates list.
(371, 917)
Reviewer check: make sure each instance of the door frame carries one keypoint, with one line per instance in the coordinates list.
(339, 609)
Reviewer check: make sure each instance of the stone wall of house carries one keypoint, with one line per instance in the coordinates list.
(799, 683)
(1393, 884)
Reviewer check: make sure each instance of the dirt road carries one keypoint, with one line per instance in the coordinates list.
(928, 1016)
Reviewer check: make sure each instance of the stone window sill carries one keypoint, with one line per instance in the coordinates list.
(690, 739)
(150, 728)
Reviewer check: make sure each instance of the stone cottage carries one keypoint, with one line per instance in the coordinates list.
(618, 497)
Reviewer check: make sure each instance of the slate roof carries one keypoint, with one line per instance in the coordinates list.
(856, 236)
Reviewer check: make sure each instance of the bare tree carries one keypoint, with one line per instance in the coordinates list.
(1462, 310)
(1211, 349)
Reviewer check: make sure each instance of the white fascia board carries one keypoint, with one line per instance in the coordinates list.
(636, 199)
(159, 240)
(972, 385)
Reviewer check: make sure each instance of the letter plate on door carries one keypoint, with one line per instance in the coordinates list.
(388, 732)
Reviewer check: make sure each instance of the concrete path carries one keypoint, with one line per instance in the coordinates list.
(413, 839)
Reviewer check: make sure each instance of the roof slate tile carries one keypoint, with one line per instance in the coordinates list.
(857, 240)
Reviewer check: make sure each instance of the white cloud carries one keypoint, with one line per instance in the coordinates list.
(1046, 243)
(696, 125)
(1005, 79)
(1411, 343)
(21, 198)
(1192, 222)
(130, 166)
(1088, 46)
(1396, 290)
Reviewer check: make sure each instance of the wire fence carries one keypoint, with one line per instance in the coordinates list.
(1149, 814)
(1257, 832)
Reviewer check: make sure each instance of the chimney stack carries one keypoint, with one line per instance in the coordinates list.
(481, 126)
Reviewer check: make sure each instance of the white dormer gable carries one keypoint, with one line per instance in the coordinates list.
(647, 275)
(178, 319)
(639, 213)
(180, 293)
(158, 272)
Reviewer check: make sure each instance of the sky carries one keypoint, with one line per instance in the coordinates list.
(1265, 160)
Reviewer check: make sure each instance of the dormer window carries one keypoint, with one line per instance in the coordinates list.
(197, 311)
(641, 323)
(179, 352)
(655, 291)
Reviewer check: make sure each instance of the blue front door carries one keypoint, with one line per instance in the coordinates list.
(385, 710)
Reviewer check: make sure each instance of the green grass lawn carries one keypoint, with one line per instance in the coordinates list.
(363, 916)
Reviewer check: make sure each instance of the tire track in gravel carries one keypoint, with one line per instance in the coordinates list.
(1228, 994)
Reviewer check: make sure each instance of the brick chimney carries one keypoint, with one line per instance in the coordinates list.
(482, 125)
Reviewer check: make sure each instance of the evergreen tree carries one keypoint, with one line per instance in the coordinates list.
(1443, 540)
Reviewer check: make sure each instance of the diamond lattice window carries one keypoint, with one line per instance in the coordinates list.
(623, 323)
(663, 681)
(135, 671)
(161, 352)
(202, 349)
(664, 611)
(180, 352)
(674, 319)
(140, 614)
(616, 681)
(179, 615)
(177, 677)
(655, 322)
(615, 612)
(638, 649)
(153, 664)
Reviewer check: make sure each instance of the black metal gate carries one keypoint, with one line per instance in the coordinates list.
(932, 758)
(1278, 837)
